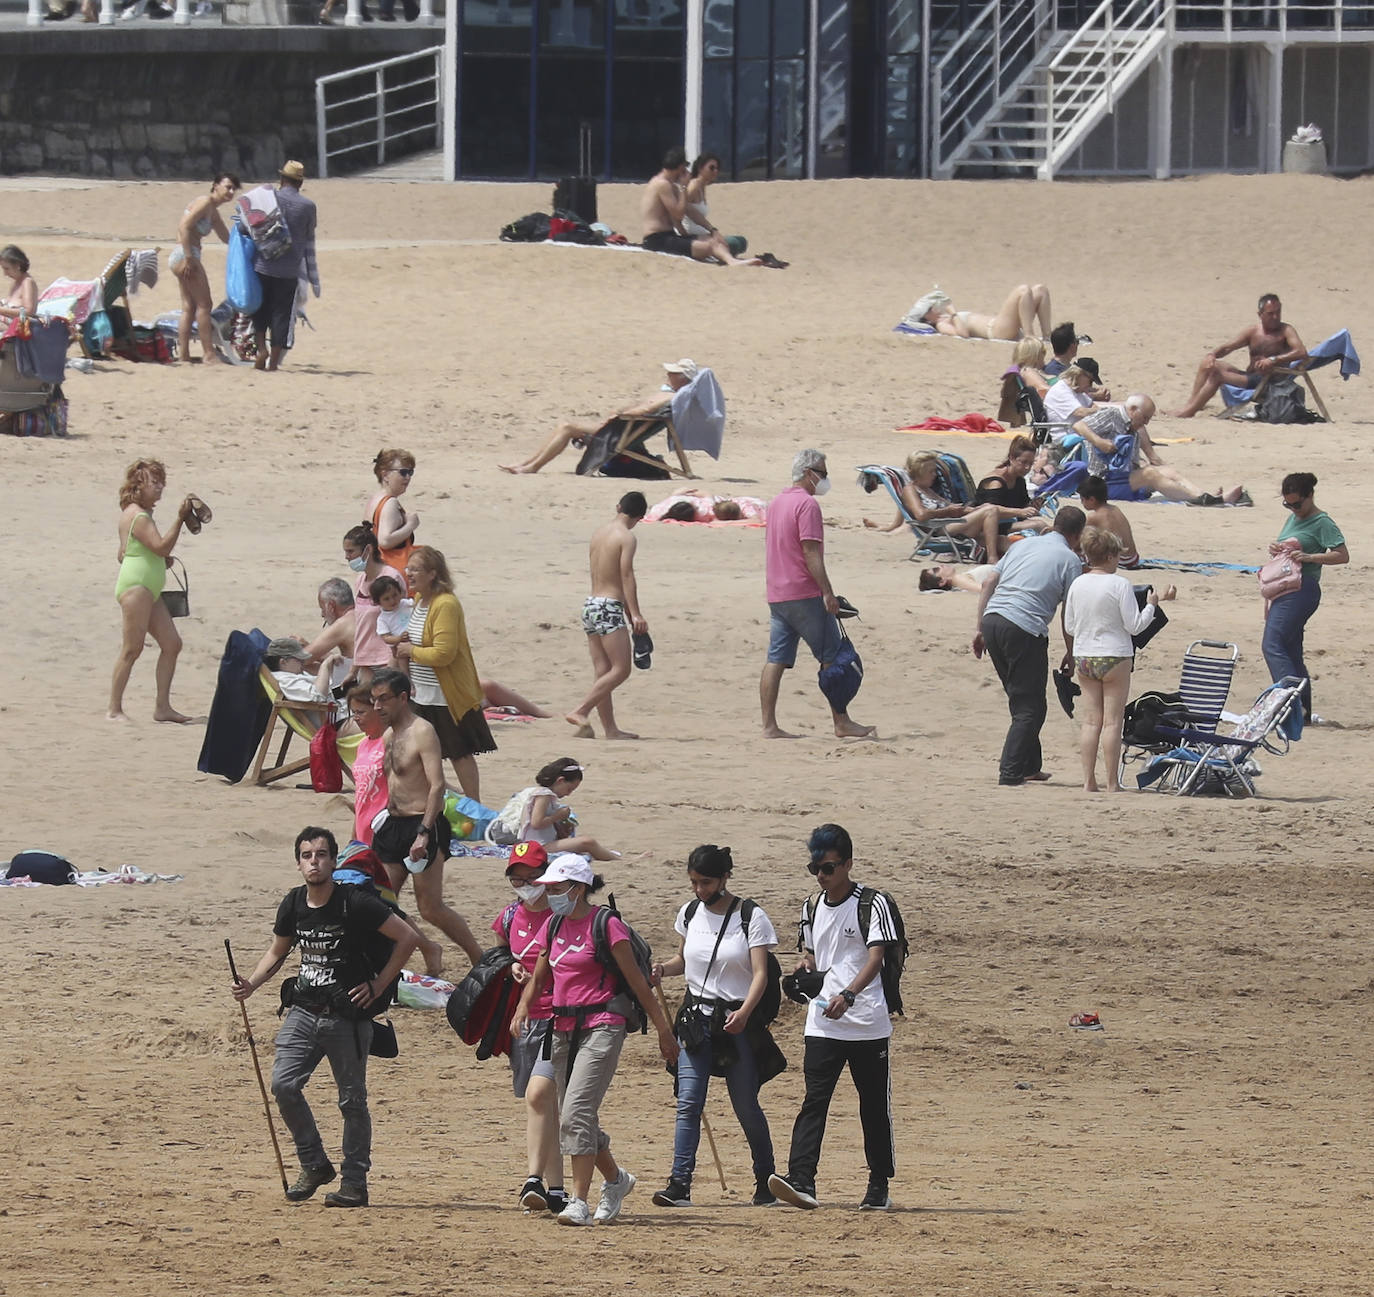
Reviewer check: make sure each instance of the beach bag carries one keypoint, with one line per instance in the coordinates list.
(840, 680)
(242, 286)
(42, 867)
(467, 818)
(484, 1002)
(895, 952)
(326, 766)
(1281, 575)
(1283, 402)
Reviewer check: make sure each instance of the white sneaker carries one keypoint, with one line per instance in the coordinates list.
(613, 1195)
(575, 1213)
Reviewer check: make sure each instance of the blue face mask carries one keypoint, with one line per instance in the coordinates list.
(563, 903)
(358, 564)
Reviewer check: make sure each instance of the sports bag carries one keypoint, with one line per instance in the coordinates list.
(1281, 575)
(484, 1002)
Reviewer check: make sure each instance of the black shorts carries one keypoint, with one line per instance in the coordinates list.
(677, 245)
(392, 842)
(465, 737)
(278, 302)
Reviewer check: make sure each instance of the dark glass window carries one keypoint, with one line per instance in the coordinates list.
(571, 90)
(572, 24)
(497, 27)
(789, 28)
(789, 119)
(495, 117)
(718, 112)
(646, 115)
(751, 119)
(751, 29)
(718, 29)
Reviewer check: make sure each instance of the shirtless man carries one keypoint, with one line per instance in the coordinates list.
(614, 598)
(414, 838)
(1101, 513)
(662, 209)
(658, 404)
(1272, 344)
(335, 598)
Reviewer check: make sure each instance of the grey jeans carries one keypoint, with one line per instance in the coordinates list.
(580, 1095)
(304, 1039)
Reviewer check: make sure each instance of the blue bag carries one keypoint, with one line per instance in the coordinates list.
(242, 286)
(840, 681)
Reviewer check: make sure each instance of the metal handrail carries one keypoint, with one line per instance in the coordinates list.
(1274, 15)
(382, 115)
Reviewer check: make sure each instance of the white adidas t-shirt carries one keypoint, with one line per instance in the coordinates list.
(841, 951)
(732, 972)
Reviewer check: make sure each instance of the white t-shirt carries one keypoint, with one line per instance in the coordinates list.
(297, 687)
(1063, 404)
(732, 972)
(397, 620)
(841, 951)
(1101, 614)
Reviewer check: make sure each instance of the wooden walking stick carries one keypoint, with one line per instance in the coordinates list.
(257, 1067)
(705, 1124)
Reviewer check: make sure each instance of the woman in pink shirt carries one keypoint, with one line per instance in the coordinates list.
(362, 554)
(588, 1029)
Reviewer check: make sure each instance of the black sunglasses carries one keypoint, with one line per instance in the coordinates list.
(1291, 504)
(404, 472)
(815, 870)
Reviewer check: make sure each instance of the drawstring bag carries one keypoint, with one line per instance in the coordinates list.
(178, 599)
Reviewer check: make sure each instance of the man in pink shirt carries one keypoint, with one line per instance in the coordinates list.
(801, 604)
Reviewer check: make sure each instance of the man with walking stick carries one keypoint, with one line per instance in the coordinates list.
(334, 925)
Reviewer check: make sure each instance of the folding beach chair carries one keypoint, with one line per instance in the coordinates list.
(114, 289)
(1204, 685)
(302, 719)
(1244, 403)
(1029, 409)
(1209, 763)
(618, 446)
(953, 483)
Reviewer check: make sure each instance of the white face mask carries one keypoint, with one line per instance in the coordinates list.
(529, 893)
(563, 903)
(822, 484)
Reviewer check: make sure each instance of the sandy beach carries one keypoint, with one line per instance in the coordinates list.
(1214, 1138)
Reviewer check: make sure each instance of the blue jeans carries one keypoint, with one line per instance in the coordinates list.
(742, 1080)
(802, 619)
(305, 1039)
(1283, 634)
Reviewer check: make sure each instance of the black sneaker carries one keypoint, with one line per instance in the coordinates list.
(557, 1199)
(347, 1195)
(533, 1196)
(763, 1195)
(676, 1194)
(310, 1179)
(793, 1193)
(876, 1198)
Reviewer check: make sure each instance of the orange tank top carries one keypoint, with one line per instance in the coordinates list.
(398, 557)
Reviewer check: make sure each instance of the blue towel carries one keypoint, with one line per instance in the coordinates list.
(1204, 567)
(916, 330)
(1337, 347)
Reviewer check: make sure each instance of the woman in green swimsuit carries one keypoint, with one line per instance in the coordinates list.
(143, 556)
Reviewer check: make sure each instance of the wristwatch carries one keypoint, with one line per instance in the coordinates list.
(425, 829)
(848, 996)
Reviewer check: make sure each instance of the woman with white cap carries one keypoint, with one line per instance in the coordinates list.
(657, 405)
(592, 981)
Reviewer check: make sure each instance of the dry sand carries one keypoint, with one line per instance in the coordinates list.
(1214, 1139)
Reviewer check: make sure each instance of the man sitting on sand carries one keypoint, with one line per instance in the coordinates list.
(609, 614)
(1272, 344)
(663, 208)
(657, 405)
(1102, 514)
(1127, 477)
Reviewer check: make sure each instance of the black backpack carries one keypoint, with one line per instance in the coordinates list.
(766, 1011)
(1141, 720)
(623, 1001)
(533, 228)
(1283, 402)
(895, 951)
(483, 1003)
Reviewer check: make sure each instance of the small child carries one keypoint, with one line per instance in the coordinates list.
(393, 616)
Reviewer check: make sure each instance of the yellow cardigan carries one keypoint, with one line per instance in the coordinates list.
(444, 648)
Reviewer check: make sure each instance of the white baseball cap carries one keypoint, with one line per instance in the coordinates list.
(687, 368)
(567, 867)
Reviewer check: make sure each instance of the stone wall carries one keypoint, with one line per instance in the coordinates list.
(176, 104)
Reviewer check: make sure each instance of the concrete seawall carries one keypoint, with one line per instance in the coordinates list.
(156, 102)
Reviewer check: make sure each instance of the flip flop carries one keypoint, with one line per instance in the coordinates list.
(200, 514)
(769, 260)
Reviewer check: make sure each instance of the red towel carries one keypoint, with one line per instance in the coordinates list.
(969, 423)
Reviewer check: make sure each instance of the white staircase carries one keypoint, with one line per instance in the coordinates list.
(1016, 95)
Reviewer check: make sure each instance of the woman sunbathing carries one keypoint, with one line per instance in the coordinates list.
(924, 504)
(945, 576)
(1025, 314)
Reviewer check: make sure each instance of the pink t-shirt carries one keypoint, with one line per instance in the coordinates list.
(793, 516)
(578, 977)
(526, 942)
(368, 649)
(369, 779)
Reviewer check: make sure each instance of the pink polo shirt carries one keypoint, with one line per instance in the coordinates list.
(793, 516)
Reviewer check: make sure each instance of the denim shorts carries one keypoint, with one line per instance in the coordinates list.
(801, 619)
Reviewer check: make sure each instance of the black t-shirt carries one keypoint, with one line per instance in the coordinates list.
(992, 490)
(331, 939)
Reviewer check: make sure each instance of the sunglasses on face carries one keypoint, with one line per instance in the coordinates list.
(404, 472)
(1292, 504)
(826, 868)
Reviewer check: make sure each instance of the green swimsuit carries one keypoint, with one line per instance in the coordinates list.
(140, 566)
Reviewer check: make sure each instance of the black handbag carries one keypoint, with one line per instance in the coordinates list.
(690, 1027)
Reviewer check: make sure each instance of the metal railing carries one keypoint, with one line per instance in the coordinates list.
(385, 113)
(1085, 70)
(983, 66)
(1288, 19)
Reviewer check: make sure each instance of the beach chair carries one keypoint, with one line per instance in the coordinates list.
(114, 289)
(1204, 685)
(302, 720)
(953, 482)
(1205, 763)
(618, 446)
(1244, 403)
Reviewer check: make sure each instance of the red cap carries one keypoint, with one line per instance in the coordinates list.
(528, 853)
